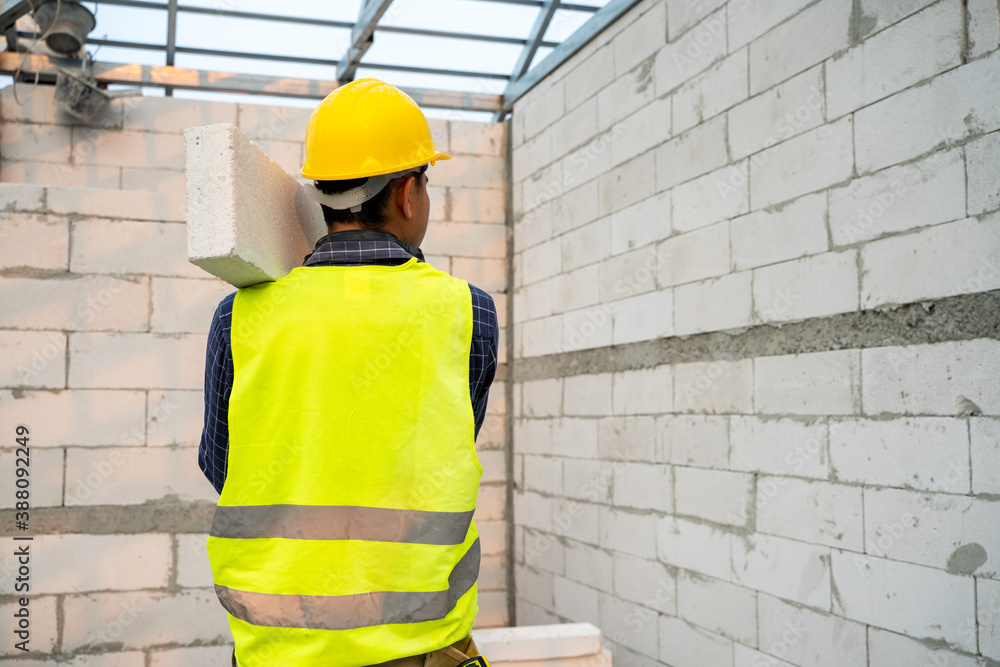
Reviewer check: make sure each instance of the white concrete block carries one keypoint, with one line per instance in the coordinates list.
(136, 361)
(588, 328)
(792, 169)
(63, 175)
(703, 253)
(693, 440)
(626, 438)
(988, 617)
(626, 184)
(575, 208)
(699, 48)
(470, 138)
(22, 196)
(628, 274)
(545, 107)
(578, 521)
(684, 645)
(75, 303)
(806, 39)
(44, 628)
(126, 246)
(586, 245)
(880, 15)
(471, 171)
(249, 221)
(871, 71)
(925, 379)
(545, 642)
(275, 123)
(531, 156)
(543, 474)
(33, 359)
(589, 480)
(698, 151)
(785, 568)
(174, 418)
(585, 562)
(719, 195)
(899, 198)
(630, 624)
(86, 418)
(743, 655)
(627, 93)
(590, 76)
(778, 114)
(644, 486)
(645, 391)
(115, 204)
(466, 239)
(800, 224)
(587, 395)
(952, 106)
(643, 317)
(635, 134)
(750, 19)
(714, 387)
(958, 257)
(31, 241)
(134, 475)
(683, 14)
(821, 383)
(36, 143)
(809, 638)
(173, 115)
(575, 601)
(929, 453)
(46, 466)
(628, 533)
(719, 496)
(476, 204)
(815, 512)
(147, 150)
(646, 34)
(164, 181)
(103, 562)
(542, 398)
(36, 104)
(716, 304)
(985, 441)
(537, 586)
(533, 510)
(984, 27)
(981, 158)
(695, 546)
(889, 648)
(719, 606)
(542, 261)
(645, 582)
(197, 655)
(711, 93)
(641, 224)
(814, 286)
(779, 446)
(917, 601)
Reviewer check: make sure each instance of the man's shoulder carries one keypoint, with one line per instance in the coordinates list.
(484, 313)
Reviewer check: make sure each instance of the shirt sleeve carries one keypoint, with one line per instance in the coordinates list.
(214, 448)
(483, 355)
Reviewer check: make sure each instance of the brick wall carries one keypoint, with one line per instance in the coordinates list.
(756, 264)
(102, 344)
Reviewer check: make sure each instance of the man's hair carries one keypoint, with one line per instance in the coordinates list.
(373, 212)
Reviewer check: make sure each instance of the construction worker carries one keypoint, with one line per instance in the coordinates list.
(342, 406)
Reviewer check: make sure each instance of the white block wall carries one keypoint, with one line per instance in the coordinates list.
(102, 352)
(738, 166)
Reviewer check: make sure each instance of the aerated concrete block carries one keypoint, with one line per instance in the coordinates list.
(249, 221)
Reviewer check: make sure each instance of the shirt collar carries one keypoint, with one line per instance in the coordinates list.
(360, 246)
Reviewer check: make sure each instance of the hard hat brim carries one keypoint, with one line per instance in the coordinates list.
(317, 176)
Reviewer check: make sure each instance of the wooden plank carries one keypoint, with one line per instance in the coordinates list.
(230, 82)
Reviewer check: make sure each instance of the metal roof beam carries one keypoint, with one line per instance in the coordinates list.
(171, 38)
(569, 6)
(541, 24)
(362, 37)
(11, 11)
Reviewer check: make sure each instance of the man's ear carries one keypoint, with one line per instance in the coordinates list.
(406, 195)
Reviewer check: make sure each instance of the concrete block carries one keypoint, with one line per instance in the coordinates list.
(742, 655)
(33, 359)
(800, 224)
(930, 453)
(626, 438)
(635, 134)
(703, 253)
(533, 227)
(578, 521)
(477, 205)
(719, 88)
(534, 436)
(808, 38)
(587, 395)
(22, 197)
(646, 34)
(646, 391)
(632, 625)
(544, 107)
(719, 195)
(643, 317)
(465, 239)
(784, 568)
(44, 624)
(534, 614)
(62, 174)
(697, 50)
(533, 510)
(718, 496)
(535, 300)
(590, 77)
(575, 437)
(134, 475)
(273, 122)
(542, 261)
(87, 418)
(779, 446)
(791, 169)
(575, 601)
(917, 601)
(75, 303)
(140, 619)
(806, 637)
(184, 305)
(684, 645)
(870, 71)
(719, 606)
(494, 466)
(985, 441)
(952, 533)
(486, 274)
(196, 655)
(580, 167)
(626, 94)
(958, 257)
(925, 379)
(693, 440)
(31, 241)
(546, 642)
(641, 224)
(36, 104)
(491, 503)
(46, 467)
(984, 27)
(981, 157)
(716, 304)
(888, 648)
(164, 181)
(952, 106)
(988, 617)
(470, 138)
(644, 486)
(821, 383)
(35, 143)
(814, 286)
(577, 127)
(697, 547)
(626, 184)
(815, 512)
(542, 398)
(492, 534)
(120, 246)
(898, 199)
(576, 289)
(585, 562)
(543, 474)
(173, 115)
(880, 15)
(249, 221)
(116, 204)
(492, 574)
(575, 208)
(531, 156)
(586, 245)
(103, 562)
(698, 151)
(136, 361)
(174, 418)
(588, 328)
(588, 480)
(628, 274)
(714, 387)
(144, 150)
(628, 533)
(749, 20)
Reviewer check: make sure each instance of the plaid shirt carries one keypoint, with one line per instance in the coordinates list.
(347, 248)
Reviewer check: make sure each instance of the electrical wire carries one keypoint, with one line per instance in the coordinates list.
(27, 54)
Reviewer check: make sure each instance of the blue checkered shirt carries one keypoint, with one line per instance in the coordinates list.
(338, 249)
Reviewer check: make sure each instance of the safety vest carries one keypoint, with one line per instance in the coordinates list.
(344, 532)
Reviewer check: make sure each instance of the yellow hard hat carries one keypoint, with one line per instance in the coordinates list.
(367, 128)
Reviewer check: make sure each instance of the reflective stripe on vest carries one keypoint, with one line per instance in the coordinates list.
(344, 532)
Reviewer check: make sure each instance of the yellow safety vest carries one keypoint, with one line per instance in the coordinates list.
(344, 533)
